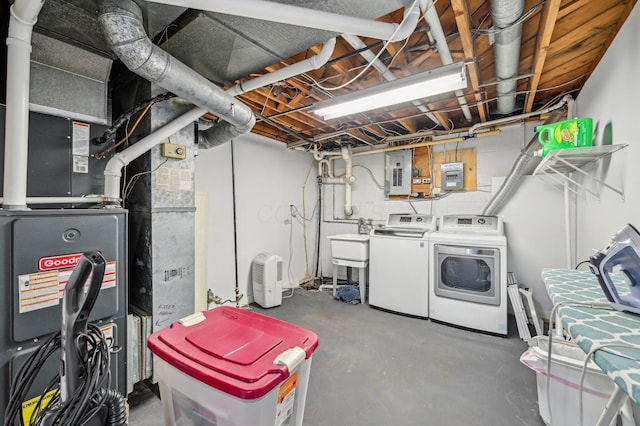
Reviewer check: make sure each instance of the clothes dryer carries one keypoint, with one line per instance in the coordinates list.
(468, 270)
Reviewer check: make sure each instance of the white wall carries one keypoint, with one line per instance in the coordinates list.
(610, 97)
(268, 179)
(494, 155)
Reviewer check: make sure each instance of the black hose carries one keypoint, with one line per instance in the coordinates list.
(116, 406)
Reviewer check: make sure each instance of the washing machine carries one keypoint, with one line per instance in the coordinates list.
(398, 267)
(468, 264)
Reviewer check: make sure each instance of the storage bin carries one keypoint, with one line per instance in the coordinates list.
(234, 367)
(563, 394)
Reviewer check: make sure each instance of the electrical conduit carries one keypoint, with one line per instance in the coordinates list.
(24, 14)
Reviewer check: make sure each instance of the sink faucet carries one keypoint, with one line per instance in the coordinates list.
(363, 227)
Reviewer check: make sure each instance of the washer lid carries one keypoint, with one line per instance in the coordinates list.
(235, 351)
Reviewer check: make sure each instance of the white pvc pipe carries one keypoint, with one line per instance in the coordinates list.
(92, 199)
(348, 180)
(24, 14)
(113, 169)
(432, 18)
(305, 17)
(298, 68)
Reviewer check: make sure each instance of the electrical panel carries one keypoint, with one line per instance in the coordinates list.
(452, 176)
(398, 173)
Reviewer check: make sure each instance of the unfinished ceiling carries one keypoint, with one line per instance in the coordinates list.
(561, 43)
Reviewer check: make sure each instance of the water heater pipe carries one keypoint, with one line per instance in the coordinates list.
(24, 14)
(305, 17)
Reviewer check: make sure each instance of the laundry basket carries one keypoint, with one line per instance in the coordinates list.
(232, 367)
(563, 394)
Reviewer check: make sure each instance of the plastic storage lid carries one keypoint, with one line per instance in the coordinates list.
(233, 350)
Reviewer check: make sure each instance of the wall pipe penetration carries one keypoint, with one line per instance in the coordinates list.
(24, 14)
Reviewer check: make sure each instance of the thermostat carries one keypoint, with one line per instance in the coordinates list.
(452, 176)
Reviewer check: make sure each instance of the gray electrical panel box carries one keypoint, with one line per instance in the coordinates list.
(452, 176)
(398, 173)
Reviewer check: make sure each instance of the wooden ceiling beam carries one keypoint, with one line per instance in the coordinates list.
(463, 21)
(547, 23)
(570, 8)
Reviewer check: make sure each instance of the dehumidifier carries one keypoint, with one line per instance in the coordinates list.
(267, 280)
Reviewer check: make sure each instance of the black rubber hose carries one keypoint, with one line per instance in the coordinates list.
(116, 406)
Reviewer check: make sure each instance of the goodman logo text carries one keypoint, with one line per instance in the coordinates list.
(57, 262)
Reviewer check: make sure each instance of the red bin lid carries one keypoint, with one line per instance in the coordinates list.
(232, 350)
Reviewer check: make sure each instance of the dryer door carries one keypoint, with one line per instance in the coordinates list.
(467, 273)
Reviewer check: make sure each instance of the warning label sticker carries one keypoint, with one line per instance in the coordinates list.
(37, 291)
(80, 137)
(286, 398)
(41, 290)
(29, 407)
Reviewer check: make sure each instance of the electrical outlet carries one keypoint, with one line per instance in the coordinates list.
(426, 180)
(416, 181)
(170, 150)
(435, 191)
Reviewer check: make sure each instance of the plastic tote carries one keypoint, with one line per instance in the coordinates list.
(563, 396)
(229, 366)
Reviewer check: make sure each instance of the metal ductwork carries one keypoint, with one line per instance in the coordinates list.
(121, 21)
(504, 14)
(521, 165)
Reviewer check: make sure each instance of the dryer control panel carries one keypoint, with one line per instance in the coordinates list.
(472, 224)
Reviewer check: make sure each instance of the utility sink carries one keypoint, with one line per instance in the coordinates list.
(352, 247)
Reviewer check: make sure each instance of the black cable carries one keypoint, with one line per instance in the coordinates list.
(92, 396)
(110, 134)
(581, 263)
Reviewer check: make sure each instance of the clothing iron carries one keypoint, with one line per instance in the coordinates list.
(618, 270)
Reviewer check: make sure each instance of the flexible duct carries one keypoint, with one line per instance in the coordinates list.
(519, 168)
(504, 14)
(121, 22)
(24, 14)
(305, 17)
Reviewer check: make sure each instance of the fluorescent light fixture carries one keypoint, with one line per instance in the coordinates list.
(428, 83)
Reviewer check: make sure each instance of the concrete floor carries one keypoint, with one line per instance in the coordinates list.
(377, 368)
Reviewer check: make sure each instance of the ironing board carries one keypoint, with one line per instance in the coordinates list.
(592, 326)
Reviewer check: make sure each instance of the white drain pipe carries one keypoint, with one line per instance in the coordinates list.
(287, 72)
(24, 14)
(305, 17)
(347, 180)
